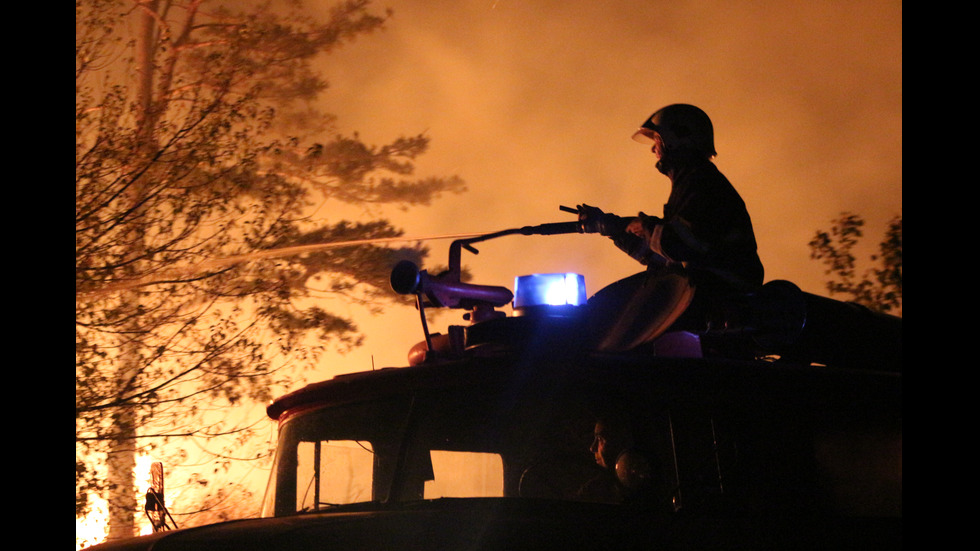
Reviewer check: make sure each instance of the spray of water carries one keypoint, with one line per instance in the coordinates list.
(201, 267)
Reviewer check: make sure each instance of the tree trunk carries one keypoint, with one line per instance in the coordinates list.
(121, 461)
(120, 465)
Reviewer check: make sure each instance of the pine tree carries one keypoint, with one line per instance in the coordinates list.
(196, 140)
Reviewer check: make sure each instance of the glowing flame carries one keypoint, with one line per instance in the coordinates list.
(94, 527)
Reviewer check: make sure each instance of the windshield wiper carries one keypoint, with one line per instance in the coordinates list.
(324, 506)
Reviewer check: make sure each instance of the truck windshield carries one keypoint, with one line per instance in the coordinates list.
(424, 446)
(339, 472)
(691, 436)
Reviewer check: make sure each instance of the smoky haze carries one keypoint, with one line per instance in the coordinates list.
(533, 104)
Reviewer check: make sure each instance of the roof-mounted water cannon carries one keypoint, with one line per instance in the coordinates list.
(447, 290)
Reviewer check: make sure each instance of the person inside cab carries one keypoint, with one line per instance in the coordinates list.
(631, 470)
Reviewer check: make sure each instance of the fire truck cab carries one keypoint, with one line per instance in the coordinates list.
(489, 438)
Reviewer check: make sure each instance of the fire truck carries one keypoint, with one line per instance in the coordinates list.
(777, 427)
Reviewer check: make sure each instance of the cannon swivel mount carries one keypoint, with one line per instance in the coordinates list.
(447, 290)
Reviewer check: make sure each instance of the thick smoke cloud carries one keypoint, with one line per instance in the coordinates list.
(533, 103)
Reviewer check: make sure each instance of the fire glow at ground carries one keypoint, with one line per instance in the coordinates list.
(95, 526)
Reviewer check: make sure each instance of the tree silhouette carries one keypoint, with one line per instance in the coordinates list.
(196, 140)
(879, 287)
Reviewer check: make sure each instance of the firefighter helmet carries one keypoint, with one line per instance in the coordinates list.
(682, 127)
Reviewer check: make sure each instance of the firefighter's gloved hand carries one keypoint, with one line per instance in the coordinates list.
(643, 225)
(593, 220)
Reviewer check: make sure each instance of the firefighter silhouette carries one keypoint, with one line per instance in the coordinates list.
(701, 250)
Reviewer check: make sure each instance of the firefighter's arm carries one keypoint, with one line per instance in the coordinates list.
(674, 240)
(594, 220)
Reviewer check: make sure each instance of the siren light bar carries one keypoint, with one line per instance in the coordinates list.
(549, 290)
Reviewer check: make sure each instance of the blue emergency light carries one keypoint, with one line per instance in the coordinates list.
(537, 290)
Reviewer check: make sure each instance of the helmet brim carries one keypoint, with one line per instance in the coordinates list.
(644, 135)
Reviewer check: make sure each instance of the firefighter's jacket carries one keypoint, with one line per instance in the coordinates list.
(705, 227)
